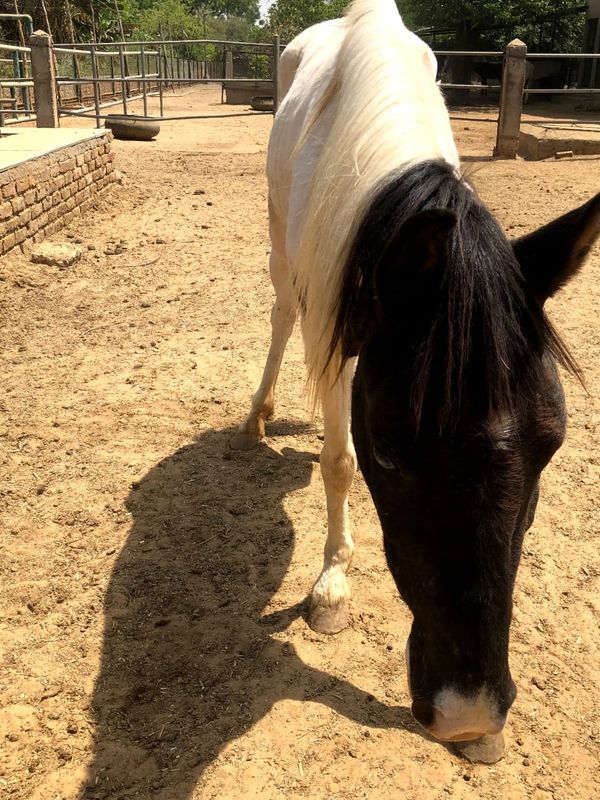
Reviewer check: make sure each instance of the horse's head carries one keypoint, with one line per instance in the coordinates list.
(457, 408)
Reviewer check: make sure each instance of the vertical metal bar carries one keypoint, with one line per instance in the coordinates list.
(16, 74)
(123, 81)
(144, 86)
(112, 75)
(596, 49)
(77, 74)
(23, 74)
(276, 56)
(138, 70)
(96, 83)
(160, 83)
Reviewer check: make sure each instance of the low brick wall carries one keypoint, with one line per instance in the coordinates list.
(40, 196)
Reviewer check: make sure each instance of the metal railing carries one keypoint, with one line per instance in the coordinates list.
(103, 75)
(204, 61)
(18, 110)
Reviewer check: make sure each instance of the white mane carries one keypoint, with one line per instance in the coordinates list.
(382, 111)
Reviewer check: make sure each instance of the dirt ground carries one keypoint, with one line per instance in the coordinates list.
(151, 632)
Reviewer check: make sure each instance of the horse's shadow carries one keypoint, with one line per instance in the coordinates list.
(188, 663)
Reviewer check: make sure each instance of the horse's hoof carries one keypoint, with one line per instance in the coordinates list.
(329, 619)
(486, 750)
(243, 440)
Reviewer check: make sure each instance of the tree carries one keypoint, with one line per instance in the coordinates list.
(542, 24)
(288, 17)
(246, 9)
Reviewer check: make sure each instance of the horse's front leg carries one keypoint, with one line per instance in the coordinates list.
(330, 596)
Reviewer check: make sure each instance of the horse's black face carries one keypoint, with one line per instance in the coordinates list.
(454, 509)
(447, 319)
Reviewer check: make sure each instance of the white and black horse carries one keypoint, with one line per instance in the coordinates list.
(424, 321)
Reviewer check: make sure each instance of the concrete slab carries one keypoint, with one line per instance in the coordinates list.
(545, 139)
(18, 146)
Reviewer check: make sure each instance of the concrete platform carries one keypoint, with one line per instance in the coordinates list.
(18, 146)
(546, 139)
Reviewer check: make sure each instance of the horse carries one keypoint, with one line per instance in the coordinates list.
(427, 347)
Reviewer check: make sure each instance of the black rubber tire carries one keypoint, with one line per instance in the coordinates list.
(262, 103)
(131, 127)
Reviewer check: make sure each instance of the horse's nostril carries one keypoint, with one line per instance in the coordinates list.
(423, 712)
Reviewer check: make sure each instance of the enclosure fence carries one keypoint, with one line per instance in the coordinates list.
(161, 65)
(48, 80)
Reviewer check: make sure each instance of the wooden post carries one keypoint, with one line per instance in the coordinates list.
(276, 56)
(511, 99)
(44, 80)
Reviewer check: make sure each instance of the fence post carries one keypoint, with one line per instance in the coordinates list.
(228, 64)
(511, 99)
(44, 80)
(276, 56)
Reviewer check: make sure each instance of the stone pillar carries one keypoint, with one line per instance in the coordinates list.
(44, 80)
(511, 99)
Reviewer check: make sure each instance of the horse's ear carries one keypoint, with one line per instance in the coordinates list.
(551, 256)
(419, 249)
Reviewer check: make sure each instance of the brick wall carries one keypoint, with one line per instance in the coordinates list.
(40, 196)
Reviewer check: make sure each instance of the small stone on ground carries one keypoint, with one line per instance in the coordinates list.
(56, 255)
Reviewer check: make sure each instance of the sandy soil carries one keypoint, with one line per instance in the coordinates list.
(151, 632)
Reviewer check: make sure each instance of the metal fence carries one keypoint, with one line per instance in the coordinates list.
(91, 77)
(159, 65)
(88, 78)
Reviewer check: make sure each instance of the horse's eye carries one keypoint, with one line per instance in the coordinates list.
(384, 460)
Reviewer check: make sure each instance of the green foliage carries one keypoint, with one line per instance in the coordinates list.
(244, 9)
(542, 24)
(289, 17)
(168, 18)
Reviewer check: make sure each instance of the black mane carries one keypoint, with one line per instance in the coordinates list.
(488, 335)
